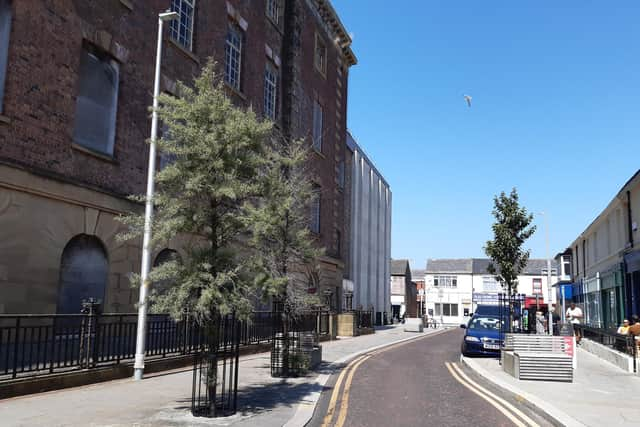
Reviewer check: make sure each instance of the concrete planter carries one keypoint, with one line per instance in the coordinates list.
(413, 324)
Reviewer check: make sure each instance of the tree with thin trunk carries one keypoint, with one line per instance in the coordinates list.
(512, 227)
(217, 154)
(281, 241)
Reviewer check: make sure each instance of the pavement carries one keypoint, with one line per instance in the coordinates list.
(164, 399)
(600, 394)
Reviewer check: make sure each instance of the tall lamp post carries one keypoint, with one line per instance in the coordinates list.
(546, 239)
(138, 366)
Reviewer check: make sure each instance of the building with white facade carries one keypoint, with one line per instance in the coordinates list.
(455, 287)
(602, 264)
(370, 232)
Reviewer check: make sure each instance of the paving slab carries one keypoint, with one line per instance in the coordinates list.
(164, 399)
(601, 393)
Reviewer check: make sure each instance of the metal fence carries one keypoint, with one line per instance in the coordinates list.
(622, 343)
(33, 344)
(364, 319)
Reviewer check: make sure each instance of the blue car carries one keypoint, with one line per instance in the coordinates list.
(484, 332)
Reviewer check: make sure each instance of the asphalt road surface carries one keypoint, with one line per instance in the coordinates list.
(420, 383)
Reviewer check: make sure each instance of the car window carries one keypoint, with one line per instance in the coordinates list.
(486, 323)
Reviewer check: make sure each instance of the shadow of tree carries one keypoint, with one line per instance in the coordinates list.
(262, 398)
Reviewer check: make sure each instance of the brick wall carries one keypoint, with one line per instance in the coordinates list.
(42, 84)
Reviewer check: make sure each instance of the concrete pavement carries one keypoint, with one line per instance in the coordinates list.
(601, 393)
(164, 399)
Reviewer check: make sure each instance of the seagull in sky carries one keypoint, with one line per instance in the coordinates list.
(468, 99)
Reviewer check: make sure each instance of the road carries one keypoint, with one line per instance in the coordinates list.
(420, 383)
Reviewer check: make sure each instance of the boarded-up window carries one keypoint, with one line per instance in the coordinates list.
(97, 102)
(83, 273)
(5, 30)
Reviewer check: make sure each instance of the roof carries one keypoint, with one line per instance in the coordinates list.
(353, 145)
(535, 266)
(480, 265)
(330, 16)
(399, 267)
(418, 274)
(449, 265)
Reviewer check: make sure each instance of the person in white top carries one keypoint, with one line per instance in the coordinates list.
(574, 316)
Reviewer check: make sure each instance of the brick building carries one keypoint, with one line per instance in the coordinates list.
(74, 97)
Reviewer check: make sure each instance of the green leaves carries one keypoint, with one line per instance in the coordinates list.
(511, 229)
(232, 199)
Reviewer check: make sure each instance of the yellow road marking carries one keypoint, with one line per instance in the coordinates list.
(344, 404)
(350, 370)
(494, 403)
(498, 398)
(336, 392)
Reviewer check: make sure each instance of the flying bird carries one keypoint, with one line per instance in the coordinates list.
(468, 99)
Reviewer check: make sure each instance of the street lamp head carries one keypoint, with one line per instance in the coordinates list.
(168, 16)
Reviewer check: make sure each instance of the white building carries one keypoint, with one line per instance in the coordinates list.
(454, 287)
(370, 236)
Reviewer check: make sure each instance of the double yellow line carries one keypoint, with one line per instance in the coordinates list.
(508, 410)
(348, 372)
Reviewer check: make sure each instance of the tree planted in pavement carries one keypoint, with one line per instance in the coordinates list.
(217, 155)
(512, 227)
(281, 241)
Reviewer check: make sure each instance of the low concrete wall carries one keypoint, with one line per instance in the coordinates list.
(621, 360)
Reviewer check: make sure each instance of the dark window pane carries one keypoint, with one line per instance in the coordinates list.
(96, 104)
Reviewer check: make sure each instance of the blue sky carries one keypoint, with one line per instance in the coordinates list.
(556, 113)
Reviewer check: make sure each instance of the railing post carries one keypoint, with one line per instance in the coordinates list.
(95, 319)
(15, 349)
(119, 346)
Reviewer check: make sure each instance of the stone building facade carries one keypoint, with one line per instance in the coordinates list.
(74, 119)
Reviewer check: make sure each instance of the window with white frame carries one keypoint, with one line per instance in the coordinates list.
(97, 101)
(317, 126)
(446, 309)
(273, 10)
(182, 28)
(270, 91)
(537, 286)
(314, 224)
(566, 265)
(233, 56)
(5, 30)
(445, 281)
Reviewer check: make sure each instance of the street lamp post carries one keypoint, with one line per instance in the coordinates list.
(546, 238)
(138, 366)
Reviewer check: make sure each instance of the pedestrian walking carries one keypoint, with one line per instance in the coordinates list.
(574, 316)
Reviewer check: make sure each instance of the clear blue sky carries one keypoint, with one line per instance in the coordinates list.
(556, 113)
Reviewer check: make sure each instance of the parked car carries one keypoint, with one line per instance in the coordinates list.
(484, 332)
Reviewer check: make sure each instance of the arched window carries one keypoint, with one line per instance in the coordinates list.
(83, 273)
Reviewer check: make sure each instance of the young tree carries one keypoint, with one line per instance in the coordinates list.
(511, 229)
(202, 196)
(281, 240)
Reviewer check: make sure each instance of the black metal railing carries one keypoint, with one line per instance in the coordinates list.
(215, 369)
(622, 343)
(364, 318)
(34, 344)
